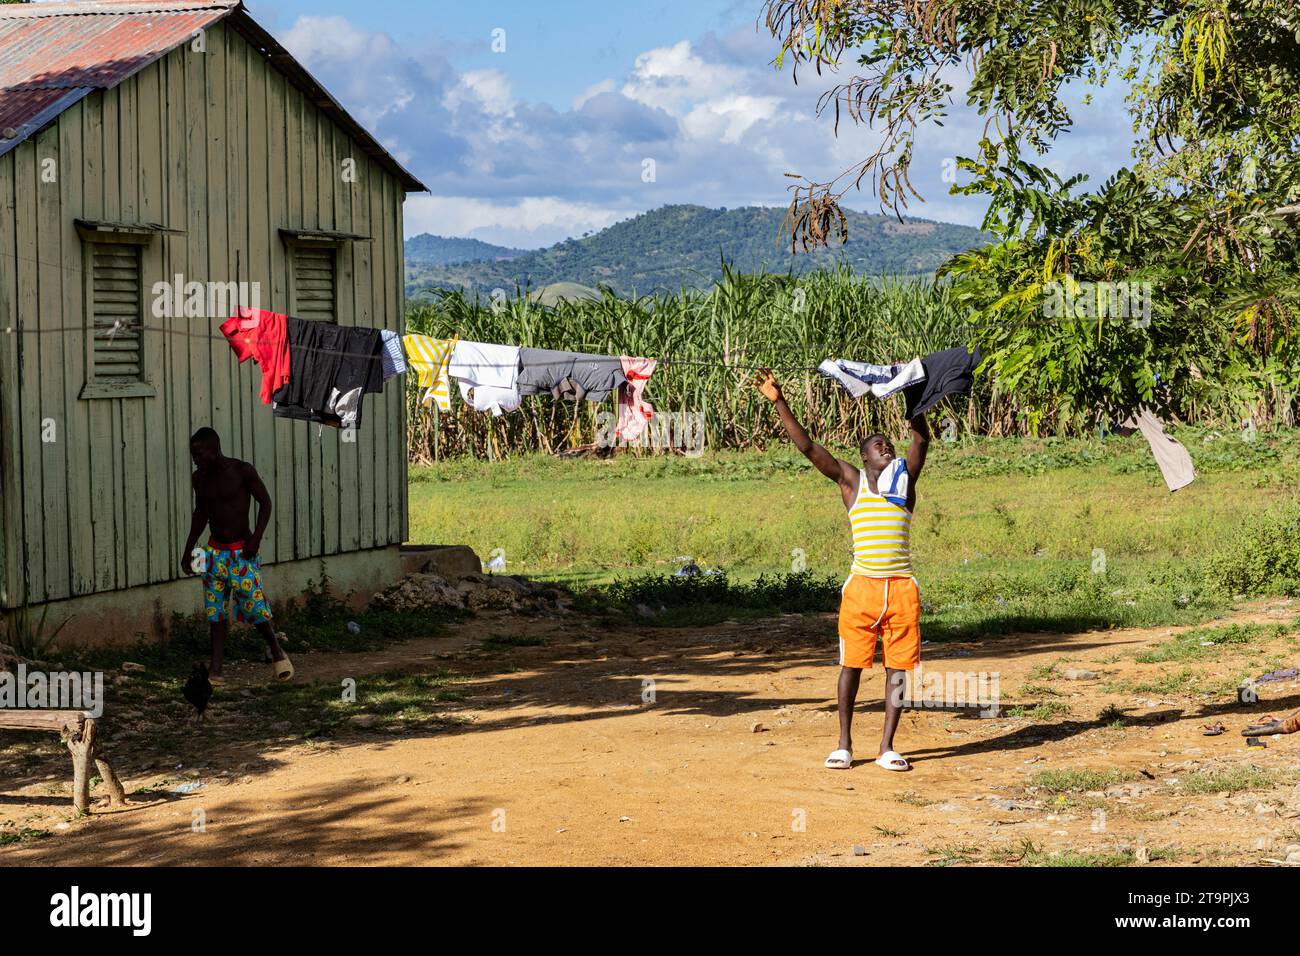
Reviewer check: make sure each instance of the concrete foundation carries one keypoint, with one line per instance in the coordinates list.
(144, 613)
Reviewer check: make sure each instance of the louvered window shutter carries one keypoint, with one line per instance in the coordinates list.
(313, 275)
(117, 312)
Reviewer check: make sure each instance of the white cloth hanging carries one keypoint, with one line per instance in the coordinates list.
(488, 375)
(859, 378)
(1174, 460)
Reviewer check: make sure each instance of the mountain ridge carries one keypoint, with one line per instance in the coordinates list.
(664, 249)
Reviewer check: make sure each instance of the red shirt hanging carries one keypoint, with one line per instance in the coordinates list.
(261, 336)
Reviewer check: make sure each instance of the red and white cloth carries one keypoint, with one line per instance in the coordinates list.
(263, 337)
(633, 410)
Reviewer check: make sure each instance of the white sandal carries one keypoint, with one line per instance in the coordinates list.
(839, 760)
(890, 760)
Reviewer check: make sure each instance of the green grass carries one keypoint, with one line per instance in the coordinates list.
(1185, 682)
(1079, 781)
(1010, 535)
(499, 641)
(1192, 645)
(318, 623)
(952, 854)
(1027, 853)
(9, 837)
(1112, 716)
(1233, 780)
(1044, 711)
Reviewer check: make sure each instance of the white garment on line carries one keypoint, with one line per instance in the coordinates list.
(488, 375)
(346, 405)
(1174, 461)
(858, 378)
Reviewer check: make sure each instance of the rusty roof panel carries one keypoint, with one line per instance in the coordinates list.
(53, 54)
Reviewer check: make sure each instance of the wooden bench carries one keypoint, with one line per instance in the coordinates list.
(77, 729)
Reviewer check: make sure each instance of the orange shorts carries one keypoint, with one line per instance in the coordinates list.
(888, 607)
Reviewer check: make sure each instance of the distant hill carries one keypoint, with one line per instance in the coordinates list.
(563, 291)
(675, 246)
(430, 250)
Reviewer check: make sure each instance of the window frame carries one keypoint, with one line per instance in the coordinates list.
(94, 388)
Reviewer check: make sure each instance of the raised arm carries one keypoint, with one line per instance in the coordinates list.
(918, 447)
(838, 471)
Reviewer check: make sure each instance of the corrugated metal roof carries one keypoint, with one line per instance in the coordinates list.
(53, 54)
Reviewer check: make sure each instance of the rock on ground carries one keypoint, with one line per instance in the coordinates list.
(426, 591)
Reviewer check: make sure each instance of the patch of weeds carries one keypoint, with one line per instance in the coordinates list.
(513, 640)
(1013, 853)
(1233, 780)
(318, 709)
(913, 799)
(1038, 690)
(1111, 716)
(1079, 780)
(952, 854)
(710, 598)
(1027, 854)
(1080, 858)
(1184, 681)
(1262, 558)
(1044, 711)
(1192, 645)
(9, 837)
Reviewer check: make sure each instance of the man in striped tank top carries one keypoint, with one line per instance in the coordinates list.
(880, 599)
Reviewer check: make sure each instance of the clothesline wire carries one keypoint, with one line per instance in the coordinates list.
(133, 328)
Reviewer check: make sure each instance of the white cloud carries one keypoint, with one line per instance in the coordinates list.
(527, 223)
(604, 86)
(672, 77)
(728, 118)
(490, 89)
(720, 123)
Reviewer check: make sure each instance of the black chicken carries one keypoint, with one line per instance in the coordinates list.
(198, 689)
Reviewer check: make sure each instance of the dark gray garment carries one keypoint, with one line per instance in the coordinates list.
(950, 372)
(569, 375)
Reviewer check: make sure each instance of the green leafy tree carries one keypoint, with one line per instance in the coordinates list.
(1174, 283)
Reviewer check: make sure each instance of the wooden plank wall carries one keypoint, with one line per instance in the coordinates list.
(220, 145)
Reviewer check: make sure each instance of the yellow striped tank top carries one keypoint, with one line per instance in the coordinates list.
(882, 534)
(428, 358)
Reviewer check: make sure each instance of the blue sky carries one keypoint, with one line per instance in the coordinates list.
(589, 112)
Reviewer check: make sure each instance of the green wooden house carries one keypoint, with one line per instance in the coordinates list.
(156, 161)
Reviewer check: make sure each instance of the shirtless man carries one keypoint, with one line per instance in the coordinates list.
(880, 599)
(223, 490)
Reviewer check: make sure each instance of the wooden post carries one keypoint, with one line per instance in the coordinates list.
(81, 744)
(80, 736)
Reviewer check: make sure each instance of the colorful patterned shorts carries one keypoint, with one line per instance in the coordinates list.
(229, 577)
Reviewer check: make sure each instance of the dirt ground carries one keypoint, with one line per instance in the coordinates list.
(553, 757)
